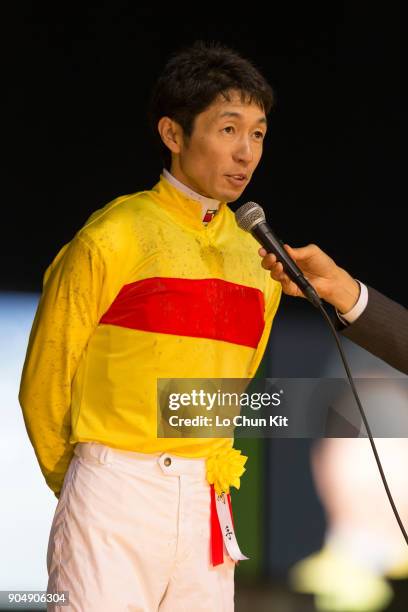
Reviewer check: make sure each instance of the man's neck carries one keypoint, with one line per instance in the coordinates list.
(209, 206)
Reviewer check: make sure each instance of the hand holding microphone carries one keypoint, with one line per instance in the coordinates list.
(331, 282)
(303, 272)
(251, 218)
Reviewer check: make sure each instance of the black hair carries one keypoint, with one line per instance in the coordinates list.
(194, 77)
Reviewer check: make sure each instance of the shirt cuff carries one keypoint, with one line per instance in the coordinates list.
(358, 308)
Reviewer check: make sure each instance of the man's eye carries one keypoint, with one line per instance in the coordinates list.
(229, 129)
(259, 135)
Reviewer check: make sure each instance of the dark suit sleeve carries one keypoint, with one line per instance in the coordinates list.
(382, 329)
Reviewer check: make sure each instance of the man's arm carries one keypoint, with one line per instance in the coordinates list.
(381, 328)
(72, 301)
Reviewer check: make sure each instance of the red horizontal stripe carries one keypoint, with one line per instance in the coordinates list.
(203, 308)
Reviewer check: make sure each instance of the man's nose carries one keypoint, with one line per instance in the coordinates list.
(244, 152)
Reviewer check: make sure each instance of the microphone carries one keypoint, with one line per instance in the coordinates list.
(251, 218)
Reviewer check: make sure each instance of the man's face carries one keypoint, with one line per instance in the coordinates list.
(225, 147)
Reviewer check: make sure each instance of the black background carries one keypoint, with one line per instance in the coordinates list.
(77, 82)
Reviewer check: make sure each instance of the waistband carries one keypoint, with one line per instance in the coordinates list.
(165, 462)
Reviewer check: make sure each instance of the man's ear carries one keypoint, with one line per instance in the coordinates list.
(171, 134)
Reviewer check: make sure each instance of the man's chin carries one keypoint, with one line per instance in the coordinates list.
(231, 196)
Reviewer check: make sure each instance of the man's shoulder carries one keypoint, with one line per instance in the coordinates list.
(115, 223)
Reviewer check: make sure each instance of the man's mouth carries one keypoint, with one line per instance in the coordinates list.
(238, 179)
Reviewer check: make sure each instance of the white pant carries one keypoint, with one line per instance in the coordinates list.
(131, 532)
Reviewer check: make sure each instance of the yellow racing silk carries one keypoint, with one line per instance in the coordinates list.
(143, 291)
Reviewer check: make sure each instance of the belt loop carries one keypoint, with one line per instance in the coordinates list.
(97, 452)
(105, 456)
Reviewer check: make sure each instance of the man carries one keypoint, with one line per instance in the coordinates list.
(152, 286)
(367, 317)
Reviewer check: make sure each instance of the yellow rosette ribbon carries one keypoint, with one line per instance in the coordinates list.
(224, 470)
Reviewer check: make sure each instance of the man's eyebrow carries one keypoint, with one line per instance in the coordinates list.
(239, 116)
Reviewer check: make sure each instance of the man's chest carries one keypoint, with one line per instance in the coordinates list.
(173, 252)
